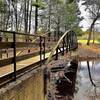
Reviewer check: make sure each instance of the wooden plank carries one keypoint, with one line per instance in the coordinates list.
(5, 45)
(13, 32)
(23, 57)
(2, 51)
(8, 61)
(11, 50)
(26, 44)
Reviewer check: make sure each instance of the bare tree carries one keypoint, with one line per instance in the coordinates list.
(93, 7)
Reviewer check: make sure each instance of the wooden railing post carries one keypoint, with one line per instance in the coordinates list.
(40, 45)
(0, 41)
(14, 53)
(67, 43)
(44, 49)
(57, 53)
(49, 35)
(63, 46)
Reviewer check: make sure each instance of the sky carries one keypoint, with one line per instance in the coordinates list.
(85, 23)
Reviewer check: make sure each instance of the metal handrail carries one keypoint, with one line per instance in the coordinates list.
(59, 41)
(19, 33)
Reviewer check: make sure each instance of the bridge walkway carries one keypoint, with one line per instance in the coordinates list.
(39, 49)
(19, 65)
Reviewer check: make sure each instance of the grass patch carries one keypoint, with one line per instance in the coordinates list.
(85, 41)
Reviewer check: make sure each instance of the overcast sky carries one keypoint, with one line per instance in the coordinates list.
(85, 23)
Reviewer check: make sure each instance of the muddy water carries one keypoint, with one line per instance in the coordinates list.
(84, 85)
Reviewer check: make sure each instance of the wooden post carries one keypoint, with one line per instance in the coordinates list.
(14, 52)
(56, 54)
(40, 45)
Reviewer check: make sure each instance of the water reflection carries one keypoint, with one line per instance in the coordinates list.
(64, 82)
(88, 81)
(78, 84)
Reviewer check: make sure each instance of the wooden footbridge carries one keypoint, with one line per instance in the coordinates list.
(20, 53)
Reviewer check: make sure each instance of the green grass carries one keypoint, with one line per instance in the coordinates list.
(85, 41)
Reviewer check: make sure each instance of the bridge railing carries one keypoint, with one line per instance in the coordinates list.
(19, 46)
(12, 45)
(67, 42)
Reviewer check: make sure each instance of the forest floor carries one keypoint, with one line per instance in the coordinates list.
(91, 52)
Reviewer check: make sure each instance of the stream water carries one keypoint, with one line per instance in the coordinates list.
(88, 81)
(84, 85)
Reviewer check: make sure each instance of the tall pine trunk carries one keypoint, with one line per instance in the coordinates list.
(36, 17)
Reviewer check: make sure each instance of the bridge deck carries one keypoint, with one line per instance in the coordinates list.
(21, 64)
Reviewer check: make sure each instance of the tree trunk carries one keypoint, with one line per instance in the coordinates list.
(58, 28)
(90, 32)
(30, 17)
(27, 13)
(14, 4)
(25, 17)
(9, 14)
(36, 18)
(49, 21)
(93, 37)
